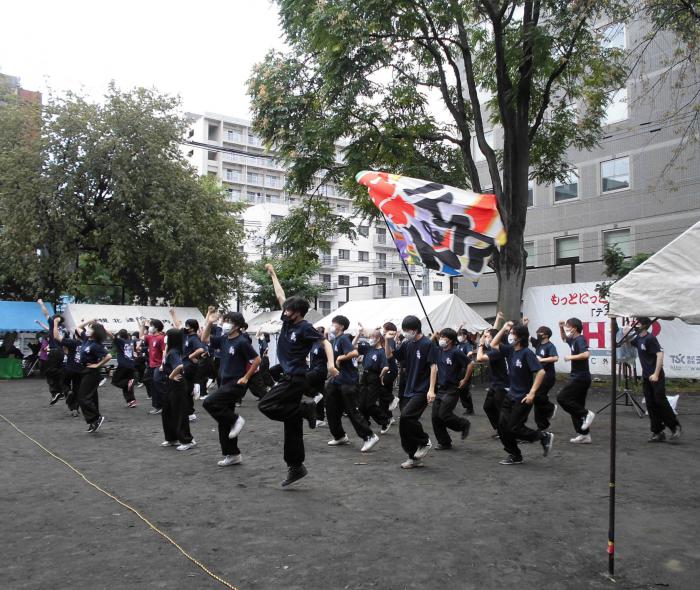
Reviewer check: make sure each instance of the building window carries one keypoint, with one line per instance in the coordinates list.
(254, 197)
(254, 178)
(326, 280)
(254, 139)
(476, 152)
(567, 249)
(343, 254)
(233, 194)
(616, 110)
(363, 230)
(213, 132)
(342, 209)
(343, 281)
(381, 260)
(437, 285)
(232, 175)
(362, 256)
(324, 307)
(403, 286)
(381, 235)
(615, 174)
(530, 251)
(568, 189)
(211, 156)
(275, 218)
(363, 281)
(271, 181)
(419, 285)
(530, 193)
(272, 198)
(234, 136)
(614, 37)
(620, 238)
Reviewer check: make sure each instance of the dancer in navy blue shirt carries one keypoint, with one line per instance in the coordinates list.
(547, 354)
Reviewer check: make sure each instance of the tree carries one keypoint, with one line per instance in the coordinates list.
(617, 266)
(365, 73)
(119, 204)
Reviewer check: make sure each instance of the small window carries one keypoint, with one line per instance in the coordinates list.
(530, 193)
(567, 249)
(568, 189)
(419, 285)
(381, 260)
(324, 307)
(363, 230)
(326, 280)
(213, 133)
(272, 181)
(615, 174)
(403, 286)
(530, 251)
(343, 254)
(476, 152)
(363, 281)
(275, 218)
(254, 178)
(363, 256)
(343, 281)
(437, 286)
(616, 110)
(620, 238)
(211, 156)
(381, 235)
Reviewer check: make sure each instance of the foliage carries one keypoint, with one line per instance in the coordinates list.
(119, 204)
(369, 75)
(295, 280)
(617, 266)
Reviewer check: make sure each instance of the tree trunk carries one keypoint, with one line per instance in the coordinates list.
(510, 271)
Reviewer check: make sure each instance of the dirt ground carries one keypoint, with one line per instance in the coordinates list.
(357, 521)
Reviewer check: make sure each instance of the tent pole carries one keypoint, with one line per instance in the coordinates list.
(410, 278)
(613, 441)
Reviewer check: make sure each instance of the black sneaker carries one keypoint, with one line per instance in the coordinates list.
(547, 442)
(97, 423)
(308, 411)
(294, 474)
(465, 430)
(440, 447)
(511, 460)
(91, 427)
(657, 437)
(55, 398)
(676, 434)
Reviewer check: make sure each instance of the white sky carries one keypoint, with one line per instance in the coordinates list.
(203, 51)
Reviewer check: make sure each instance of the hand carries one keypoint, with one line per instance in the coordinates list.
(56, 321)
(508, 325)
(499, 315)
(567, 358)
(40, 301)
(526, 320)
(431, 397)
(211, 309)
(171, 311)
(528, 399)
(242, 381)
(270, 269)
(654, 378)
(562, 323)
(339, 360)
(462, 384)
(391, 334)
(178, 377)
(333, 372)
(94, 366)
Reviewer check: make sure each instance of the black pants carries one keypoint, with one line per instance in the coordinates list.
(544, 408)
(176, 425)
(54, 371)
(121, 378)
(402, 382)
(283, 403)
(660, 411)
(256, 385)
(190, 381)
(155, 387)
(140, 368)
(511, 426)
(386, 396)
(410, 428)
(344, 398)
(443, 416)
(87, 395)
(465, 398)
(315, 384)
(371, 390)
(71, 385)
(492, 404)
(265, 371)
(572, 399)
(221, 405)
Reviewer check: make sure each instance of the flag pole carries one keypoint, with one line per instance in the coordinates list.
(613, 444)
(410, 278)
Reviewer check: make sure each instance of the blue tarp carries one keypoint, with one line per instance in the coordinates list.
(21, 316)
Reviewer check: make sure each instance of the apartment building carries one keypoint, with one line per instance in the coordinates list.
(365, 269)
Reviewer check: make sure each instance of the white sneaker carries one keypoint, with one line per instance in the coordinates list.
(318, 398)
(192, 417)
(187, 446)
(411, 464)
(385, 429)
(321, 423)
(195, 391)
(202, 398)
(140, 384)
(167, 443)
(582, 439)
(104, 380)
(554, 413)
(393, 404)
(339, 441)
(423, 451)
(237, 427)
(230, 460)
(369, 444)
(588, 420)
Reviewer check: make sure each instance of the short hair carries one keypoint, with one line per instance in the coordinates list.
(411, 322)
(644, 321)
(576, 324)
(174, 337)
(296, 304)
(521, 333)
(341, 320)
(492, 332)
(99, 334)
(390, 326)
(235, 317)
(123, 334)
(135, 334)
(545, 330)
(157, 324)
(192, 324)
(449, 333)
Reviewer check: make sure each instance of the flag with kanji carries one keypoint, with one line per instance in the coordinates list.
(450, 230)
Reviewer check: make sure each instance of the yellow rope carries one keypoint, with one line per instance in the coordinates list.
(198, 563)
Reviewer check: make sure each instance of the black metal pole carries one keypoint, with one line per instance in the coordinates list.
(410, 278)
(613, 442)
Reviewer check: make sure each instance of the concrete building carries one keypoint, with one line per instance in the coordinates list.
(626, 192)
(366, 269)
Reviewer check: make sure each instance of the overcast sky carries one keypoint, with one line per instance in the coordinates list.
(201, 50)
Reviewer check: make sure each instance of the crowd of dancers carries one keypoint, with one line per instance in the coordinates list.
(322, 377)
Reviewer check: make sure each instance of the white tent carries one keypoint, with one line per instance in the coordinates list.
(665, 286)
(116, 317)
(444, 311)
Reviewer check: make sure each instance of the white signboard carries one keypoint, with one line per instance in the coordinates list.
(546, 306)
(128, 317)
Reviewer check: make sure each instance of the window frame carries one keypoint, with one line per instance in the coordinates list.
(575, 172)
(565, 261)
(613, 230)
(629, 175)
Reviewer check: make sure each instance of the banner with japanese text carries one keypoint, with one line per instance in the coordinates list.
(546, 306)
(129, 317)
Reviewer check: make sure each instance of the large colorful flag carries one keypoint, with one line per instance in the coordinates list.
(447, 229)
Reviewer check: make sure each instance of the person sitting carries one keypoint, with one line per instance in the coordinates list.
(8, 348)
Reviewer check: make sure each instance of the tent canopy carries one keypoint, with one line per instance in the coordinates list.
(116, 317)
(445, 311)
(270, 322)
(665, 286)
(21, 316)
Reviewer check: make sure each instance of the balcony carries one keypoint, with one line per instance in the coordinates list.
(329, 261)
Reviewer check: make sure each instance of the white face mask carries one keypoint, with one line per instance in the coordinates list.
(332, 331)
(409, 335)
(227, 327)
(372, 342)
(151, 330)
(461, 338)
(443, 342)
(568, 333)
(511, 339)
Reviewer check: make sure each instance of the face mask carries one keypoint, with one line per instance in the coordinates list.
(541, 337)
(227, 327)
(461, 338)
(443, 342)
(151, 330)
(409, 336)
(372, 342)
(332, 331)
(568, 333)
(511, 339)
